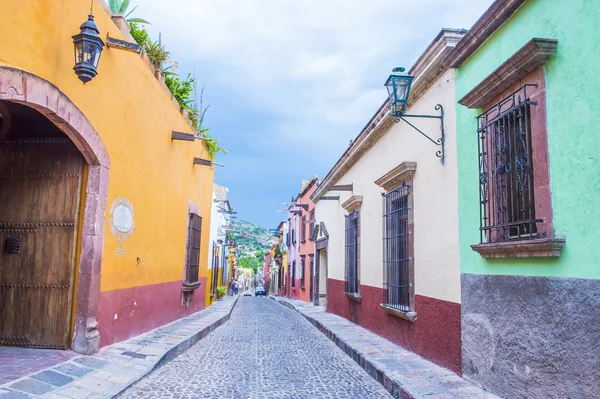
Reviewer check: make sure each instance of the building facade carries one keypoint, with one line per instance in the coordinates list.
(219, 273)
(301, 262)
(379, 207)
(129, 228)
(527, 149)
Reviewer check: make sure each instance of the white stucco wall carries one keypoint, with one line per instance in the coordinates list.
(217, 219)
(435, 194)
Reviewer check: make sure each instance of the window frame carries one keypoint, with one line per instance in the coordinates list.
(545, 244)
(194, 249)
(293, 274)
(302, 270)
(303, 229)
(397, 233)
(352, 247)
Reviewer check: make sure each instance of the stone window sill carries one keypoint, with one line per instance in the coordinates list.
(353, 297)
(410, 316)
(538, 248)
(189, 287)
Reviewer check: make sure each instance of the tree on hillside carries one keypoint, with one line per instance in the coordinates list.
(249, 262)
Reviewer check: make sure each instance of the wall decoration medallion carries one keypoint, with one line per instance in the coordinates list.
(121, 222)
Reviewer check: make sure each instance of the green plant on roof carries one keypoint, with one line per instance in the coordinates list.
(121, 6)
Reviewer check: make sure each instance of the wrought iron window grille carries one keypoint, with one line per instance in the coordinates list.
(399, 115)
(351, 260)
(193, 260)
(396, 256)
(506, 186)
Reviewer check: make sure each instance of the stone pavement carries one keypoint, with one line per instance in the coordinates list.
(403, 373)
(116, 367)
(19, 362)
(265, 351)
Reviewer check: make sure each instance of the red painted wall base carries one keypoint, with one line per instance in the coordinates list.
(125, 313)
(435, 335)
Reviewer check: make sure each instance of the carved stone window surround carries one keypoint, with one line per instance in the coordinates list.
(353, 203)
(394, 178)
(524, 67)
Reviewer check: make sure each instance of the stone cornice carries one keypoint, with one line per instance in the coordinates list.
(535, 53)
(538, 248)
(395, 177)
(427, 70)
(498, 13)
(353, 203)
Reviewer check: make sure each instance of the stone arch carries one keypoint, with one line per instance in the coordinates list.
(25, 88)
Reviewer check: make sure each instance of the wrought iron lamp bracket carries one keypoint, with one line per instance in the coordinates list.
(441, 141)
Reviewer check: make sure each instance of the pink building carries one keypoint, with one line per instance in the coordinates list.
(301, 249)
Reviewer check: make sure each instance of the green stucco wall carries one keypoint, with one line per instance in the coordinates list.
(573, 105)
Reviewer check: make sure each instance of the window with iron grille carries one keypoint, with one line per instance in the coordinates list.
(397, 279)
(302, 263)
(303, 229)
(312, 223)
(214, 282)
(352, 232)
(192, 266)
(506, 187)
(293, 274)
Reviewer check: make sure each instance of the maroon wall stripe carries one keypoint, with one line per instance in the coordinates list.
(435, 335)
(141, 309)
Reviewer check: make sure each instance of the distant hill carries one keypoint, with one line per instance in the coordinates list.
(251, 238)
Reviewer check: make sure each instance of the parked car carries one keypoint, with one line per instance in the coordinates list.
(258, 291)
(247, 293)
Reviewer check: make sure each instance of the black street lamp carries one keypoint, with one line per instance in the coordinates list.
(88, 47)
(398, 85)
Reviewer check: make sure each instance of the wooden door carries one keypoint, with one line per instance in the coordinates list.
(40, 191)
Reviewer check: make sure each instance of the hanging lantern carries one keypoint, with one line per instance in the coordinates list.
(88, 47)
(398, 87)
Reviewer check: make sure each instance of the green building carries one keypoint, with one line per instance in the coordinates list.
(529, 177)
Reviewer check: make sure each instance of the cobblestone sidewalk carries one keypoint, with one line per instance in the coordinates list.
(403, 373)
(116, 367)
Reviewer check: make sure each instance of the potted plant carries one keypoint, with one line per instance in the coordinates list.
(221, 291)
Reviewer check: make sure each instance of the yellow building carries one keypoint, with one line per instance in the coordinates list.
(101, 211)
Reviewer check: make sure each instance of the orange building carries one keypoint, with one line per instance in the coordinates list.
(101, 211)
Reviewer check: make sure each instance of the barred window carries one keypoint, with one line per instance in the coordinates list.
(302, 263)
(215, 270)
(506, 187)
(352, 232)
(397, 279)
(293, 274)
(303, 229)
(192, 266)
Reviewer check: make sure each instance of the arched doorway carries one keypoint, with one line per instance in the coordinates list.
(46, 143)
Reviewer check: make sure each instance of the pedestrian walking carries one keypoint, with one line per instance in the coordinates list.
(235, 288)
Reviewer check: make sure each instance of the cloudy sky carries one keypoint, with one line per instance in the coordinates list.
(290, 83)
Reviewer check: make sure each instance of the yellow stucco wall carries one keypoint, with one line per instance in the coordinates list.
(134, 116)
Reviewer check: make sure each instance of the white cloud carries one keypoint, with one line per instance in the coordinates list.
(314, 68)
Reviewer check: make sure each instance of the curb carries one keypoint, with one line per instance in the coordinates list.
(180, 348)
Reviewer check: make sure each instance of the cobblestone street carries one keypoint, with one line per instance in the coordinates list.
(263, 351)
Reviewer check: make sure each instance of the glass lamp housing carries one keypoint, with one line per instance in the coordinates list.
(88, 47)
(398, 87)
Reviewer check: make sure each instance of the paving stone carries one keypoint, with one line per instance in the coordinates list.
(6, 394)
(404, 373)
(92, 362)
(52, 378)
(263, 351)
(73, 369)
(32, 386)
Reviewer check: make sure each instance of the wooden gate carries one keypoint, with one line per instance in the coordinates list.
(40, 191)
